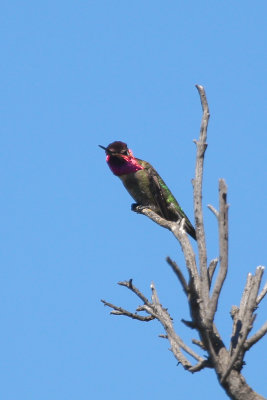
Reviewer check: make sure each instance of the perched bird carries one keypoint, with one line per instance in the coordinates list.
(144, 184)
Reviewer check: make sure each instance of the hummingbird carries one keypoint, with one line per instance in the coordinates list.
(144, 184)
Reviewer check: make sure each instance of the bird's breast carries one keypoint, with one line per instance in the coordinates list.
(137, 184)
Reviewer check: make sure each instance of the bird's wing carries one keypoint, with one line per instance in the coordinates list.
(164, 199)
(157, 189)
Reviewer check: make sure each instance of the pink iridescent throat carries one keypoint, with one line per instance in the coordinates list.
(129, 165)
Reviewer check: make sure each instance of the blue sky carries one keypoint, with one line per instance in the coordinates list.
(76, 74)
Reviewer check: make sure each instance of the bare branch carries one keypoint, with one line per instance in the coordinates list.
(189, 324)
(201, 365)
(256, 337)
(177, 229)
(250, 303)
(238, 315)
(156, 311)
(178, 273)
(134, 289)
(205, 108)
(235, 328)
(163, 336)
(223, 233)
(155, 297)
(212, 268)
(245, 317)
(245, 296)
(213, 210)
(153, 216)
(197, 184)
(163, 316)
(238, 350)
(189, 351)
(234, 312)
(262, 293)
(255, 289)
(189, 255)
(122, 311)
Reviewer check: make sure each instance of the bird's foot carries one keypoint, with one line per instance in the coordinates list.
(137, 207)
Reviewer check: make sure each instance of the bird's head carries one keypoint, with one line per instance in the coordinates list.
(117, 150)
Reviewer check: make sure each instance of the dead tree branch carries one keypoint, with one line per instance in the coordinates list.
(157, 311)
(211, 269)
(179, 274)
(202, 296)
(262, 294)
(213, 210)
(256, 337)
(223, 242)
(197, 185)
(121, 311)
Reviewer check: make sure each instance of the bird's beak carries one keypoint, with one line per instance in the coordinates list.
(106, 149)
(102, 147)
